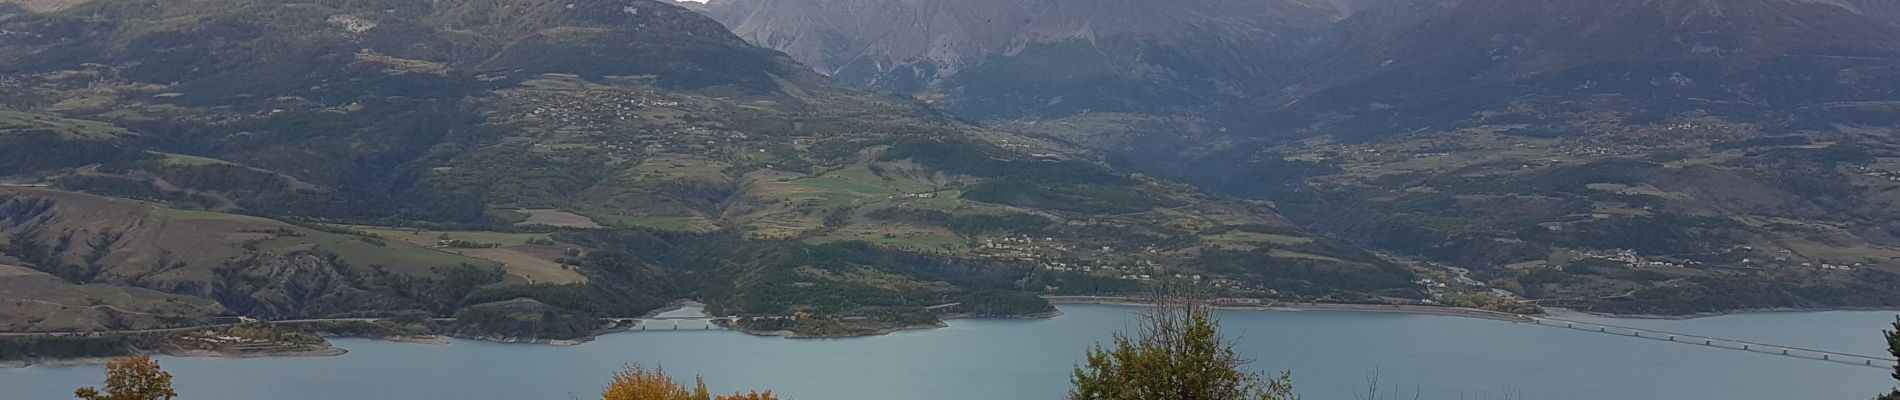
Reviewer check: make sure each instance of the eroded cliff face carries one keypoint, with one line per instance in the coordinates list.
(252, 266)
(290, 285)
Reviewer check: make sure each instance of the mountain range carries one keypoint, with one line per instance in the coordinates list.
(1005, 58)
(1723, 154)
(531, 165)
(1301, 59)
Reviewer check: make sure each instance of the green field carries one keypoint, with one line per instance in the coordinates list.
(1278, 253)
(11, 121)
(834, 191)
(1248, 240)
(893, 177)
(915, 240)
(899, 236)
(429, 238)
(689, 224)
(944, 200)
(191, 161)
(677, 167)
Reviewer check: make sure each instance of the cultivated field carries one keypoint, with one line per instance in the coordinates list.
(556, 218)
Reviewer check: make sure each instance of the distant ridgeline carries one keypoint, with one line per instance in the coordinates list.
(1630, 156)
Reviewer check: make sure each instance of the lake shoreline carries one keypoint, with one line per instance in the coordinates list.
(1329, 353)
(317, 351)
(1220, 304)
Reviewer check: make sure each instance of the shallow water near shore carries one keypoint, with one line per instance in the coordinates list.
(1330, 353)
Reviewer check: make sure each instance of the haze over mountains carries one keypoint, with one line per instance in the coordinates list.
(1744, 58)
(1005, 58)
(1052, 58)
(1756, 135)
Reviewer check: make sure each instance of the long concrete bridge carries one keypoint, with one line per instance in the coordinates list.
(675, 323)
(1720, 343)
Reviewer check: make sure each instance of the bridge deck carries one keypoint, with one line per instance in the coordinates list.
(1730, 344)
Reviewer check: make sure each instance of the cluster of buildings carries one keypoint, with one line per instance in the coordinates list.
(1024, 248)
(618, 121)
(590, 108)
(1050, 254)
(1624, 256)
(223, 342)
(1890, 176)
(1053, 255)
(1832, 266)
(1237, 286)
(1589, 150)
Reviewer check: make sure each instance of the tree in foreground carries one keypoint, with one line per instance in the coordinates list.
(639, 383)
(1177, 354)
(132, 378)
(1893, 346)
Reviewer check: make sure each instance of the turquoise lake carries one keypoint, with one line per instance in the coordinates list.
(1330, 354)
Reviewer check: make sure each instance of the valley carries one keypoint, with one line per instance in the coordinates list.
(518, 170)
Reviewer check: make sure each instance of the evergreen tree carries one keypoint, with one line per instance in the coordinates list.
(1893, 346)
(1177, 354)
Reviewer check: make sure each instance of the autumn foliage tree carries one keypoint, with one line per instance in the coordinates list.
(767, 395)
(639, 383)
(1178, 353)
(132, 378)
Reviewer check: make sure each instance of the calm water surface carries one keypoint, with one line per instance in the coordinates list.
(1330, 353)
